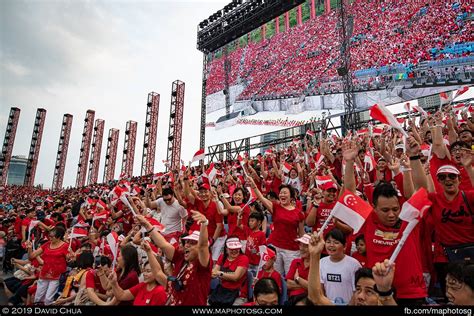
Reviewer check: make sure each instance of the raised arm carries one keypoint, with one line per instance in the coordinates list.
(158, 273)
(203, 243)
(157, 238)
(315, 289)
(266, 203)
(119, 293)
(466, 160)
(438, 147)
(413, 151)
(188, 191)
(349, 153)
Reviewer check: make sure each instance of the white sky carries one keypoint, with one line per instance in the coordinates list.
(70, 56)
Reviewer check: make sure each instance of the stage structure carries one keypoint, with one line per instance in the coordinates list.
(35, 148)
(173, 154)
(8, 142)
(85, 147)
(111, 155)
(129, 149)
(95, 151)
(151, 128)
(62, 152)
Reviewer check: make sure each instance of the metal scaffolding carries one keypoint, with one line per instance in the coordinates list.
(173, 154)
(35, 148)
(96, 150)
(8, 142)
(62, 152)
(151, 128)
(129, 148)
(111, 155)
(85, 147)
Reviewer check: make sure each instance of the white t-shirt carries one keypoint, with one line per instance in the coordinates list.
(171, 215)
(338, 278)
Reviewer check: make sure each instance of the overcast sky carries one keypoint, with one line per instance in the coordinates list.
(70, 56)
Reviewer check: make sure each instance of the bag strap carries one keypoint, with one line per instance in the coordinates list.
(464, 197)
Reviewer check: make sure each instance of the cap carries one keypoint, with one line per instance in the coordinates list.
(270, 253)
(448, 169)
(304, 239)
(204, 186)
(328, 185)
(225, 195)
(381, 158)
(233, 243)
(400, 146)
(193, 236)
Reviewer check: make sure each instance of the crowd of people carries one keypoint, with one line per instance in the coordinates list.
(385, 33)
(255, 231)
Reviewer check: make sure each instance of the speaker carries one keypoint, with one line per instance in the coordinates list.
(342, 71)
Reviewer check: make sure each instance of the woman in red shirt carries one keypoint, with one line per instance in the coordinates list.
(129, 268)
(288, 221)
(231, 268)
(150, 292)
(54, 254)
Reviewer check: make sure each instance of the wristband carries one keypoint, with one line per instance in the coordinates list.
(152, 229)
(417, 157)
(221, 274)
(205, 223)
(386, 293)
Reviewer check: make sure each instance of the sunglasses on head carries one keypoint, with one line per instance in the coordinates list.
(443, 176)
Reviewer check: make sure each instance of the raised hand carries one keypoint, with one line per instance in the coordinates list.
(466, 157)
(198, 217)
(383, 274)
(394, 165)
(349, 150)
(146, 246)
(412, 147)
(316, 245)
(112, 277)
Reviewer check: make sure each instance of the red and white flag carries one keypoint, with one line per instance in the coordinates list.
(463, 90)
(268, 152)
(420, 110)
(444, 96)
(310, 133)
(113, 241)
(416, 207)
(199, 155)
(381, 113)
(49, 199)
(157, 176)
(265, 255)
(78, 232)
(362, 131)
(425, 150)
(211, 172)
(369, 162)
(101, 204)
(101, 215)
(252, 196)
(377, 131)
(352, 210)
(286, 167)
(320, 180)
(122, 175)
(319, 159)
(31, 226)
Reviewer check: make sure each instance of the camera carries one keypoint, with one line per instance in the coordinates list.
(176, 283)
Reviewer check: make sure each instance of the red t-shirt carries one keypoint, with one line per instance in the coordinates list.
(232, 222)
(303, 272)
(285, 223)
(254, 240)
(212, 216)
(196, 280)
(231, 266)
(128, 281)
(454, 225)
(26, 223)
(275, 275)
(93, 282)
(362, 259)
(435, 163)
(54, 261)
(381, 241)
(143, 297)
(322, 213)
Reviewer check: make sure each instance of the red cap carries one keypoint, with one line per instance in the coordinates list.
(328, 185)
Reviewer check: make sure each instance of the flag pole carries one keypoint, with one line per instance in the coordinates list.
(406, 233)
(326, 223)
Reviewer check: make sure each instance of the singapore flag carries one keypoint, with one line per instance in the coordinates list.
(352, 210)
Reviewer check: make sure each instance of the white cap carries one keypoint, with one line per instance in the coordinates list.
(304, 239)
(193, 236)
(233, 243)
(400, 146)
(448, 169)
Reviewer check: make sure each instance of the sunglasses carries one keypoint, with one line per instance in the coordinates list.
(451, 176)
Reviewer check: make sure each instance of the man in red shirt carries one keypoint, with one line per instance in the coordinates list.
(203, 203)
(383, 230)
(191, 278)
